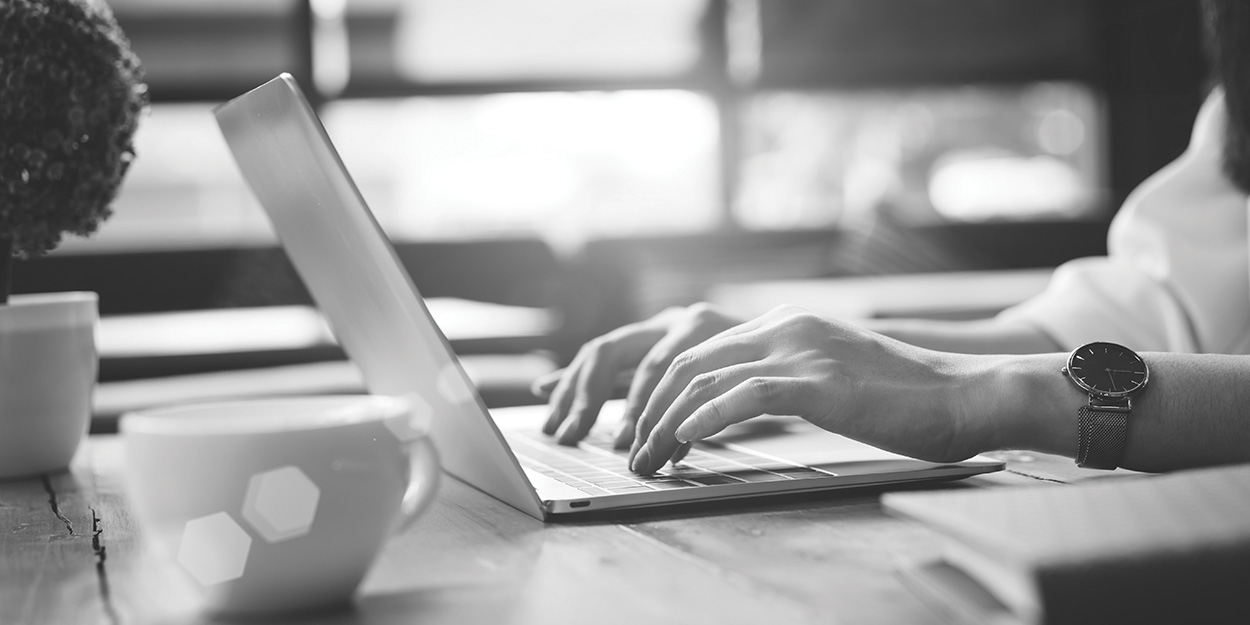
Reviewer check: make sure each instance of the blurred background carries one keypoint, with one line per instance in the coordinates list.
(603, 159)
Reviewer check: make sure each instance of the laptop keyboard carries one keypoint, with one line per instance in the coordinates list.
(595, 468)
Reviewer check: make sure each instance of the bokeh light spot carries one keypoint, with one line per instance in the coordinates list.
(281, 504)
(214, 549)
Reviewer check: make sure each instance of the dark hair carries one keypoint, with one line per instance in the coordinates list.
(71, 92)
(1227, 25)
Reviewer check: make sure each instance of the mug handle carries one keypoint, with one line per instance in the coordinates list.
(423, 486)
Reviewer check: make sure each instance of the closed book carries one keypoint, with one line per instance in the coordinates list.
(1156, 549)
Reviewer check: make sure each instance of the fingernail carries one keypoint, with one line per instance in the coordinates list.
(682, 434)
(549, 426)
(641, 461)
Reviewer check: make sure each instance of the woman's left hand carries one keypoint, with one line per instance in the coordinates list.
(841, 378)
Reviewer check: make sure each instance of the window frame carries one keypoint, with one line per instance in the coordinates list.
(1135, 102)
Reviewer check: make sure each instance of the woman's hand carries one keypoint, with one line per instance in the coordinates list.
(791, 362)
(646, 348)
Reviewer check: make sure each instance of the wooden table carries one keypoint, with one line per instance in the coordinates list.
(70, 553)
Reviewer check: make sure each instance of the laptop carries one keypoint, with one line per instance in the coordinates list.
(379, 318)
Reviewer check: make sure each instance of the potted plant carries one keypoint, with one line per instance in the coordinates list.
(71, 93)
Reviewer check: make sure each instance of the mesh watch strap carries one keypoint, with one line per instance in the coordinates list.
(1101, 437)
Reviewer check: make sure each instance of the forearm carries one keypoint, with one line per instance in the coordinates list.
(982, 336)
(1194, 412)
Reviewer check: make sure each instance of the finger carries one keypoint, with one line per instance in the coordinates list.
(681, 452)
(661, 444)
(593, 388)
(648, 375)
(750, 399)
(542, 386)
(700, 326)
(702, 358)
(562, 396)
(656, 363)
(756, 323)
(621, 383)
(629, 343)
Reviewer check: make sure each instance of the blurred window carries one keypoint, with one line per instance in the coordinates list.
(573, 119)
(193, 49)
(562, 165)
(438, 41)
(182, 190)
(974, 153)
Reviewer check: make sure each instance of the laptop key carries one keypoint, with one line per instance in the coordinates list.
(756, 476)
(625, 490)
(720, 466)
(614, 482)
(799, 473)
(670, 484)
(714, 480)
(647, 479)
(607, 461)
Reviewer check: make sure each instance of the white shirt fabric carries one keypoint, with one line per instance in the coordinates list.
(1177, 275)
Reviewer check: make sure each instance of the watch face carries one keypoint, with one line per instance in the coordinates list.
(1108, 369)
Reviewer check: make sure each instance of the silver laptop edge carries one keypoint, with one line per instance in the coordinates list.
(378, 316)
(286, 156)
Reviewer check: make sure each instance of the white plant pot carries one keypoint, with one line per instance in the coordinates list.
(47, 375)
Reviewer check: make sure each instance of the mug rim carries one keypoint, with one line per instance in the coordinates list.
(245, 417)
(64, 310)
(52, 298)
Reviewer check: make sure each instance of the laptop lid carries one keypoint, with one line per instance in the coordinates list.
(357, 280)
(381, 321)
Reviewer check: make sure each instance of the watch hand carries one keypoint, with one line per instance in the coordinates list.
(1112, 378)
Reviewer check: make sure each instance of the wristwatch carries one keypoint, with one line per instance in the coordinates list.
(1111, 374)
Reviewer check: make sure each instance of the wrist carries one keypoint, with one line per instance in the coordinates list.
(1022, 402)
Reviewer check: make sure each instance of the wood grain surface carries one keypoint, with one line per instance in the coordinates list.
(70, 552)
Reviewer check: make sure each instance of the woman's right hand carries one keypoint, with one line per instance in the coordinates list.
(577, 393)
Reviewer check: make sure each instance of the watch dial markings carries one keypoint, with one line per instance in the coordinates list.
(1107, 368)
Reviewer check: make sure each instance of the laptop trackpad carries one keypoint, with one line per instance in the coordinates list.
(794, 440)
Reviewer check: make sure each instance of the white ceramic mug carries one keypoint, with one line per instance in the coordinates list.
(278, 505)
(47, 375)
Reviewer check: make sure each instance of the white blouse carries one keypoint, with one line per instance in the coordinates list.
(1177, 274)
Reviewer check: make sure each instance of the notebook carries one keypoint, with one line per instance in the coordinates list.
(1154, 549)
(378, 316)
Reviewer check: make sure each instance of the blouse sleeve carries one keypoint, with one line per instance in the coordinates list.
(1177, 274)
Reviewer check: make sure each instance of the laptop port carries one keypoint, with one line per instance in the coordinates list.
(580, 504)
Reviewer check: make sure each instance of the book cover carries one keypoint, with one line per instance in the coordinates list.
(1168, 548)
